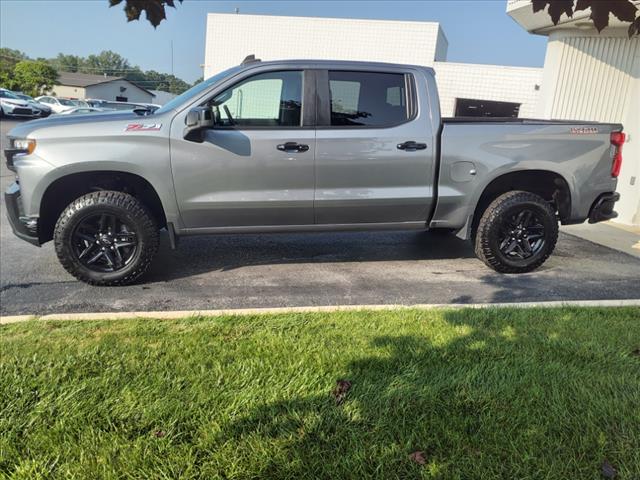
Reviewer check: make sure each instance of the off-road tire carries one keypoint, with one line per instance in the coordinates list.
(487, 233)
(112, 202)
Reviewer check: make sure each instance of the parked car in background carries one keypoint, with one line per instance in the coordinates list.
(12, 105)
(80, 103)
(56, 104)
(145, 108)
(81, 111)
(45, 110)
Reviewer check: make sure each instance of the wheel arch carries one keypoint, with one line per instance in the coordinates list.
(63, 190)
(548, 184)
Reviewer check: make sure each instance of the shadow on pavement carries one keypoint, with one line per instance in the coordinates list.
(228, 252)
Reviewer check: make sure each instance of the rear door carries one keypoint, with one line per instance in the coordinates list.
(375, 152)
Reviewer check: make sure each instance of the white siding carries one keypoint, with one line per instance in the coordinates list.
(591, 77)
(588, 76)
(68, 92)
(487, 82)
(232, 37)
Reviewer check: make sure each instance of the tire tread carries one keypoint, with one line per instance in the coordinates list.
(144, 219)
(492, 215)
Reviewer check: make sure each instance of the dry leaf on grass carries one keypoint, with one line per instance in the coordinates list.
(418, 457)
(340, 391)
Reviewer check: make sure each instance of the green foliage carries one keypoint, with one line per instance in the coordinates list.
(67, 63)
(34, 77)
(9, 58)
(106, 62)
(449, 394)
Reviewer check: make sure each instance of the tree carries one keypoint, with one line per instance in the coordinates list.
(67, 63)
(34, 77)
(105, 63)
(623, 10)
(154, 9)
(9, 58)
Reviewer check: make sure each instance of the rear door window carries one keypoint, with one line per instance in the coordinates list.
(368, 99)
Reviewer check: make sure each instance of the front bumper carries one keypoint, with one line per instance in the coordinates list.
(18, 111)
(23, 227)
(602, 209)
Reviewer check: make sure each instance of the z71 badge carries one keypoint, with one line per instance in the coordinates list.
(143, 127)
(584, 130)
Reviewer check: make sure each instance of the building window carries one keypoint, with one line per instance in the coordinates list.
(122, 99)
(367, 99)
(466, 107)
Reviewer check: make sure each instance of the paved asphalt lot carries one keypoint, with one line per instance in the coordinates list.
(234, 271)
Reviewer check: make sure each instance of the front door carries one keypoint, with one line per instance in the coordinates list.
(255, 166)
(375, 149)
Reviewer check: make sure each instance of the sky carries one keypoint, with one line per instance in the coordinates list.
(478, 31)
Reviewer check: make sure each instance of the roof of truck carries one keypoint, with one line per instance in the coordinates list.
(333, 63)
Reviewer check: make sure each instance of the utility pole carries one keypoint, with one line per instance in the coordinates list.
(172, 74)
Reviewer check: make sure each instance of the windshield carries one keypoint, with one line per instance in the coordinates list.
(196, 90)
(23, 96)
(68, 103)
(6, 94)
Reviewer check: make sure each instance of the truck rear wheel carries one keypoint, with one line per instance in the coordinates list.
(517, 232)
(106, 238)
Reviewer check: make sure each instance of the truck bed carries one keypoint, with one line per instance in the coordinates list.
(521, 121)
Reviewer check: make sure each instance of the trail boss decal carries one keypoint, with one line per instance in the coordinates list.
(143, 127)
(584, 130)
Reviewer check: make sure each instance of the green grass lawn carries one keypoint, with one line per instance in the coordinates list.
(513, 394)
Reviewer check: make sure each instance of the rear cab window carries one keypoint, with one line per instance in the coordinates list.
(368, 99)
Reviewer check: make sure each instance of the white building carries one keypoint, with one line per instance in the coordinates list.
(232, 37)
(592, 76)
(586, 76)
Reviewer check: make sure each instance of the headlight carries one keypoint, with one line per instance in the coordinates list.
(27, 145)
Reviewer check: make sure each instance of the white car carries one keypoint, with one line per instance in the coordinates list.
(80, 103)
(57, 105)
(44, 110)
(11, 104)
(81, 111)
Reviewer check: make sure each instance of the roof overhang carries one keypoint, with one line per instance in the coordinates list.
(540, 22)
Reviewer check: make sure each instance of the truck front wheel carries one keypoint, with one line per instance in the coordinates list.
(517, 232)
(106, 238)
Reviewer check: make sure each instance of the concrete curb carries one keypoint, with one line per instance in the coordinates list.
(338, 308)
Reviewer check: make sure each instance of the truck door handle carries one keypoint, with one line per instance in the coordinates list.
(292, 147)
(411, 146)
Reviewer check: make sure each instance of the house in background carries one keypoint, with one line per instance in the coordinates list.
(84, 85)
(160, 97)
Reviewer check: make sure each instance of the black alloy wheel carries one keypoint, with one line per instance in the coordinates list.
(522, 235)
(104, 242)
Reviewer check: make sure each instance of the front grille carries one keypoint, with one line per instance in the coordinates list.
(22, 111)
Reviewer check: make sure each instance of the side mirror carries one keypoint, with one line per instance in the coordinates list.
(197, 120)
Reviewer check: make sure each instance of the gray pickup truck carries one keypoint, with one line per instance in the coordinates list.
(304, 146)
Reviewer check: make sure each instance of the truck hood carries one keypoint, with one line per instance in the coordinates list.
(27, 129)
